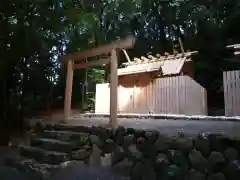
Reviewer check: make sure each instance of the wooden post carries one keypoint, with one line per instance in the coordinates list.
(68, 90)
(113, 90)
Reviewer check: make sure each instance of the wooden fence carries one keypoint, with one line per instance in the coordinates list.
(231, 83)
(171, 95)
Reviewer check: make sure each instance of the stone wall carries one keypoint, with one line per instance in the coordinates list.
(150, 155)
(143, 154)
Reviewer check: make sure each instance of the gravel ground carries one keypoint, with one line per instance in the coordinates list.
(168, 126)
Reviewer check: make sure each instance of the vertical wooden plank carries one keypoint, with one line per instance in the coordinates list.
(177, 95)
(113, 90)
(163, 98)
(238, 92)
(162, 95)
(151, 109)
(154, 95)
(68, 91)
(225, 93)
(229, 98)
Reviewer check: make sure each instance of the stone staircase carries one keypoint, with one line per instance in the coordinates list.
(51, 148)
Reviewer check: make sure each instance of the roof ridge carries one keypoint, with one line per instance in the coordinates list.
(158, 58)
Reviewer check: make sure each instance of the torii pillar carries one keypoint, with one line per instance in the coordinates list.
(71, 61)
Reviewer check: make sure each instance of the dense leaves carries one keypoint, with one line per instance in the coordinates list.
(33, 35)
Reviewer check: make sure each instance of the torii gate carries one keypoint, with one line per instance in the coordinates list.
(71, 61)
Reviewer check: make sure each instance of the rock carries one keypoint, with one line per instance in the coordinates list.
(130, 131)
(146, 147)
(232, 171)
(217, 176)
(184, 143)
(104, 133)
(174, 172)
(133, 153)
(162, 144)
(120, 129)
(143, 170)
(217, 162)
(178, 158)
(128, 140)
(81, 154)
(106, 160)
(94, 139)
(218, 142)
(231, 154)
(118, 155)
(197, 161)
(195, 175)
(108, 146)
(151, 136)
(95, 157)
(84, 139)
(148, 171)
(138, 133)
(137, 170)
(161, 164)
(202, 144)
(124, 167)
(119, 135)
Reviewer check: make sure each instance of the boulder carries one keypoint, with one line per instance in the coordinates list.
(231, 154)
(217, 176)
(184, 143)
(177, 157)
(195, 175)
(161, 164)
(146, 147)
(133, 153)
(202, 144)
(94, 139)
(151, 136)
(148, 171)
(232, 170)
(123, 167)
(163, 144)
(118, 155)
(174, 172)
(81, 154)
(217, 162)
(218, 142)
(108, 146)
(137, 170)
(128, 140)
(197, 161)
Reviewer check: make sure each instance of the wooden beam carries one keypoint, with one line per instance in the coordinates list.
(126, 55)
(68, 90)
(181, 45)
(91, 63)
(113, 90)
(105, 49)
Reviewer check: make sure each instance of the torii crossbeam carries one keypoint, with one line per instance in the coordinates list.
(71, 61)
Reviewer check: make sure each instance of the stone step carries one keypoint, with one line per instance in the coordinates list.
(55, 145)
(44, 156)
(31, 167)
(65, 127)
(56, 157)
(65, 136)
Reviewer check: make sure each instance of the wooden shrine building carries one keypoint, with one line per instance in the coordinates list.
(157, 85)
